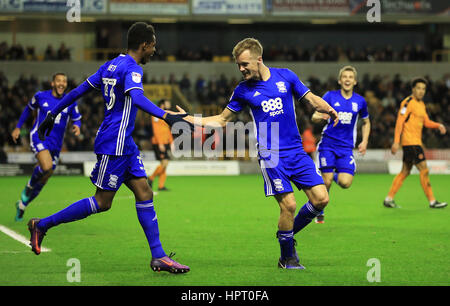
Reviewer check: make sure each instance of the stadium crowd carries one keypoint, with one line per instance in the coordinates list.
(319, 53)
(383, 95)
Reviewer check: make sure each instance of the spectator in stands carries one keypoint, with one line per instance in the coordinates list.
(63, 53)
(49, 54)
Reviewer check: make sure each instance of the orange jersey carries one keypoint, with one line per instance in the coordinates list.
(411, 118)
(161, 132)
(309, 141)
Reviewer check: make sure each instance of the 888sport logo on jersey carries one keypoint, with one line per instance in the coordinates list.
(273, 106)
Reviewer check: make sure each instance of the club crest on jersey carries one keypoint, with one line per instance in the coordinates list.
(136, 77)
(354, 107)
(281, 86)
(278, 184)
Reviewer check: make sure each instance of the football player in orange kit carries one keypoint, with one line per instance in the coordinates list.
(411, 118)
(162, 140)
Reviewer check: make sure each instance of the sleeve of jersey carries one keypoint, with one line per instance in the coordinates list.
(75, 115)
(71, 97)
(235, 105)
(24, 116)
(138, 98)
(401, 117)
(34, 103)
(95, 80)
(299, 89)
(364, 113)
(430, 124)
(133, 79)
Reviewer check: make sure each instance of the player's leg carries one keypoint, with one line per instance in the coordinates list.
(136, 182)
(41, 173)
(426, 186)
(159, 156)
(345, 169)
(276, 183)
(327, 164)
(317, 201)
(396, 184)
(345, 180)
(78, 210)
(285, 234)
(328, 178)
(107, 175)
(163, 175)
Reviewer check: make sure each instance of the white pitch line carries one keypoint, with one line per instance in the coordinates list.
(19, 237)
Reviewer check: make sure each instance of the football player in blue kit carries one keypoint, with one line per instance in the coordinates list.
(47, 151)
(118, 157)
(271, 94)
(335, 149)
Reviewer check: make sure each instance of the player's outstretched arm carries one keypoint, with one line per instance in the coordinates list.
(321, 106)
(141, 101)
(23, 117)
(362, 147)
(46, 126)
(211, 121)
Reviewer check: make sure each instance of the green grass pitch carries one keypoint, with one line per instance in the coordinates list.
(224, 229)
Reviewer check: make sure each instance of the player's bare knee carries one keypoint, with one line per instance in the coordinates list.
(289, 207)
(321, 201)
(345, 184)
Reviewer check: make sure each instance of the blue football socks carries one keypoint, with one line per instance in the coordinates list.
(149, 222)
(307, 213)
(76, 211)
(286, 240)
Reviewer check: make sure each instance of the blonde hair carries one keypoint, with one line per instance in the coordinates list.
(348, 68)
(251, 44)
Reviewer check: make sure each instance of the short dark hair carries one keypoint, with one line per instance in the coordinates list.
(139, 33)
(161, 102)
(58, 73)
(418, 80)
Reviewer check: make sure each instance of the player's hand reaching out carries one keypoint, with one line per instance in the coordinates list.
(15, 134)
(442, 129)
(173, 117)
(333, 115)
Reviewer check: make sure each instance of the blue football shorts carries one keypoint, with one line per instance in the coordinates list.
(294, 166)
(37, 146)
(334, 160)
(111, 171)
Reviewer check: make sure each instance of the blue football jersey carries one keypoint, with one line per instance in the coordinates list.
(272, 106)
(343, 135)
(115, 78)
(44, 101)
